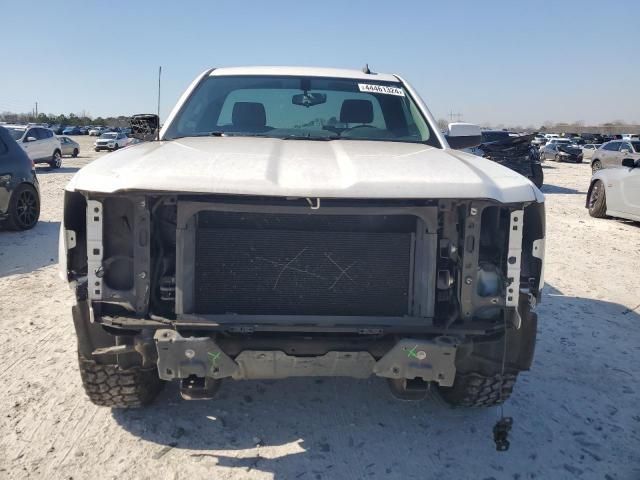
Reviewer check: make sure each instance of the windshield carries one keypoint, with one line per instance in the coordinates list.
(301, 108)
(109, 135)
(16, 133)
(564, 141)
(636, 146)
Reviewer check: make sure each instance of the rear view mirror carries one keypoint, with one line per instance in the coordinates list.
(629, 163)
(309, 99)
(463, 135)
(145, 126)
(624, 151)
(30, 139)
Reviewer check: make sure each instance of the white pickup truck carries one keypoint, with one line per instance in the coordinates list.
(302, 222)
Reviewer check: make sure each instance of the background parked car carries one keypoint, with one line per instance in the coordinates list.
(19, 192)
(71, 131)
(69, 146)
(616, 191)
(111, 141)
(561, 152)
(40, 144)
(97, 131)
(611, 154)
(588, 149)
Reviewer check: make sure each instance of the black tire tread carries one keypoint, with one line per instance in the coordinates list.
(111, 386)
(12, 223)
(476, 390)
(599, 209)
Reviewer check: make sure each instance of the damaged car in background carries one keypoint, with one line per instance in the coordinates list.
(561, 152)
(513, 150)
(302, 222)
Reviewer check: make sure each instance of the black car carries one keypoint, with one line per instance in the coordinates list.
(559, 152)
(513, 151)
(19, 191)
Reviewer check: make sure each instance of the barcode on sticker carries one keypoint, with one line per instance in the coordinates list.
(384, 89)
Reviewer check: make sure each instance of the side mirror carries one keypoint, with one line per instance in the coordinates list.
(30, 139)
(629, 163)
(624, 151)
(463, 135)
(145, 126)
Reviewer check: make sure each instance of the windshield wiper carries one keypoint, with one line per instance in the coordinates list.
(309, 137)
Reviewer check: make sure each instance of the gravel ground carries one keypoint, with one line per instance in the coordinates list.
(576, 413)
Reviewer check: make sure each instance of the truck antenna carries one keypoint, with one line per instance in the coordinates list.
(159, 77)
(366, 69)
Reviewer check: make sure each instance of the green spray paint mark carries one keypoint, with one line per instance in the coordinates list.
(412, 352)
(213, 357)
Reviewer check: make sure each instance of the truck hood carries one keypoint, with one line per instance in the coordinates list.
(302, 168)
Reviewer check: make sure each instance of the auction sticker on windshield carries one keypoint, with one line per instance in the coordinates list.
(369, 88)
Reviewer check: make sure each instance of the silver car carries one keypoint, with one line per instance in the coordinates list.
(611, 154)
(615, 192)
(588, 149)
(69, 146)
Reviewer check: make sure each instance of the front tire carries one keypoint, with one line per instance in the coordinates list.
(597, 200)
(537, 175)
(24, 208)
(111, 386)
(75, 153)
(56, 160)
(476, 390)
(595, 166)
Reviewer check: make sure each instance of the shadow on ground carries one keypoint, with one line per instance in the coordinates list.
(49, 170)
(41, 242)
(344, 428)
(551, 189)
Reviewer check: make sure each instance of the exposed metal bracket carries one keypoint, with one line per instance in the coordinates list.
(430, 360)
(70, 237)
(538, 252)
(180, 357)
(514, 257)
(94, 249)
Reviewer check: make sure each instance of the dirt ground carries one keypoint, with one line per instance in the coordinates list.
(576, 413)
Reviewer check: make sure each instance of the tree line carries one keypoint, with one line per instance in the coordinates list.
(71, 119)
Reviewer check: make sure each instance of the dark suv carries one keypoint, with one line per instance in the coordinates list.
(19, 195)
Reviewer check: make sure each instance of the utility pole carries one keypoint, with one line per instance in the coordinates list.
(36, 110)
(457, 116)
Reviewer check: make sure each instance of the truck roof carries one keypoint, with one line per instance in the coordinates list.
(304, 71)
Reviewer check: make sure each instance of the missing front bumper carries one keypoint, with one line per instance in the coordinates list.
(429, 360)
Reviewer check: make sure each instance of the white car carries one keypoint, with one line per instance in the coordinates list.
(96, 131)
(615, 192)
(588, 149)
(40, 144)
(111, 141)
(302, 222)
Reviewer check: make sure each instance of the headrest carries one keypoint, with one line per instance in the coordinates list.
(356, 111)
(248, 114)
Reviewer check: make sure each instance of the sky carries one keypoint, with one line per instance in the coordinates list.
(495, 62)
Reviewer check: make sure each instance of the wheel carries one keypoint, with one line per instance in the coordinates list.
(97, 149)
(115, 147)
(111, 386)
(597, 200)
(556, 158)
(56, 160)
(477, 390)
(24, 208)
(537, 175)
(595, 166)
(75, 153)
